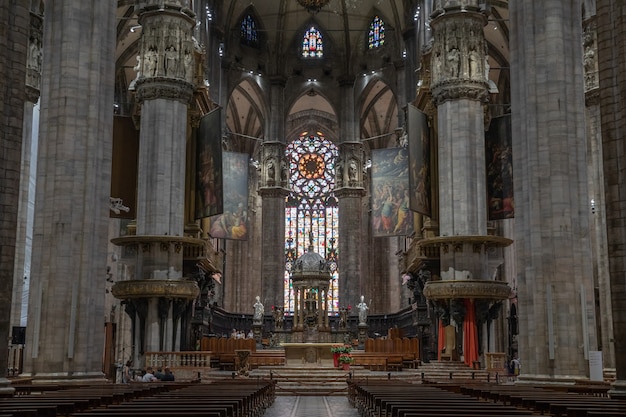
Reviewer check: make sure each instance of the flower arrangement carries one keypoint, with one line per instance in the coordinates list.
(346, 358)
(341, 349)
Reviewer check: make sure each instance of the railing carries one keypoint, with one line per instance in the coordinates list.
(192, 359)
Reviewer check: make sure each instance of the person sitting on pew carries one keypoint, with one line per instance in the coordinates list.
(168, 375)
(149, 376)
(159, 374)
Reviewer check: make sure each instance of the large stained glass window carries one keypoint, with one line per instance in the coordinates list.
(312, 45)
(311, 213)
(376, 35)
(249, 34)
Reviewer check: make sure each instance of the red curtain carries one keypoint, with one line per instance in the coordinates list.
(470, 334)
(441, 340)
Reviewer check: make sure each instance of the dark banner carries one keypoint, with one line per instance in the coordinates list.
(233, 223)
(499, 159)
(391, 215)
(209, 189)
(419, 155)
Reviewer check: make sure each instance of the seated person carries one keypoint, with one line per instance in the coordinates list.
(168, 375)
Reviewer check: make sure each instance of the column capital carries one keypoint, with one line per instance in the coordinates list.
(273, 192)
(166, 88)
(459, 66)
(350, 193)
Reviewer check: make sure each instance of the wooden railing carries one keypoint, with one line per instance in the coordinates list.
(191, 359)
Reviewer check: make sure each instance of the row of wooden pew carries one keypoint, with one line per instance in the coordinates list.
(401, 399)
(223, 398)
(66, 399)
(568, 400)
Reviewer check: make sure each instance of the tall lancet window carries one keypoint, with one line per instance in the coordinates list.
(249, 34)
(312, 44)
(376, 35)
(311, 213)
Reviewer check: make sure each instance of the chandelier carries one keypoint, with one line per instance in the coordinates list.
(313, 6)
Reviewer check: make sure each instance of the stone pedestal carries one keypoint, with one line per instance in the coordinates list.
(362, 335)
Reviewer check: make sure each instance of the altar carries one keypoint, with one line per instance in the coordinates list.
(308, 354)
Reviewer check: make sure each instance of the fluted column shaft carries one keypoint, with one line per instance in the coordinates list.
(555, 285)
(66, 308)
(274, 174)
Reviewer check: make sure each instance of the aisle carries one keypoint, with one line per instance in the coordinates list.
(310, 406)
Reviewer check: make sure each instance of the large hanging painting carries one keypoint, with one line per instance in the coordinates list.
(233, 223)
(419, 157)
(391, 215)
(499, 159)
(209, 191)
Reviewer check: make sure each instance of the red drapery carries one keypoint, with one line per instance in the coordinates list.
(470, 334)
(441, 340)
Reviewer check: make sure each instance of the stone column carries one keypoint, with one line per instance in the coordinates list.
(13, 46)
(65, 337)
(30, 136)
(273, 224)
(459, 90)
(164, 89)
(274, 188)
(349, 191)
(555, 276)
(612, 83)
(597, 201)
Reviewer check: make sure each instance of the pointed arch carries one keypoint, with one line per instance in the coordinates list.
(378, 112)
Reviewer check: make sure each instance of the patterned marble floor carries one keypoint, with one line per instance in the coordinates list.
(311, 406)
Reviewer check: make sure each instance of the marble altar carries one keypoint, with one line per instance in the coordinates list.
(313, 354)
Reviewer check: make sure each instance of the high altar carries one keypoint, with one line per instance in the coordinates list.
(308, 354)
(310, 277)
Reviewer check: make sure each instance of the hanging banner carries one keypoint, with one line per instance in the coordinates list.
(499, 160)
(209, 192)
(419, 155)
(391, 215)
(233, 223)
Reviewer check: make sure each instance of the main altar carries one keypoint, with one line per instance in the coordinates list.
(311, 354)
(310, 277)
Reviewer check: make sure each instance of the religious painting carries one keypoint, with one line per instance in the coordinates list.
(233, 222)
(419, 157)
(390, 214)
(499, 160)
(209, 189)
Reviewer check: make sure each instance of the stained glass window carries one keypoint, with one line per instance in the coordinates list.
(376, 35)
(312, 45)
(311, 212)
(249, 34)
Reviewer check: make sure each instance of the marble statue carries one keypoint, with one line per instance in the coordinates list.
(362, 307)
(258, 311)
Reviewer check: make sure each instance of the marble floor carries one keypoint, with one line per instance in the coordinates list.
(311, 406)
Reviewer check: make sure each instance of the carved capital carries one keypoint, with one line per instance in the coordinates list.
(150, 288)
(451, 289)
(166, 88)
(458, 89)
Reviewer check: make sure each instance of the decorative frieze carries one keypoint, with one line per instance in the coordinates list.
(590, 61)
(34, 58)
(451, 289)
(459, 64)
(275, 167)
(165, 88)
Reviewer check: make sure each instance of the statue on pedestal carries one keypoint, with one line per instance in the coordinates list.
(257, 318)
(362, 306)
